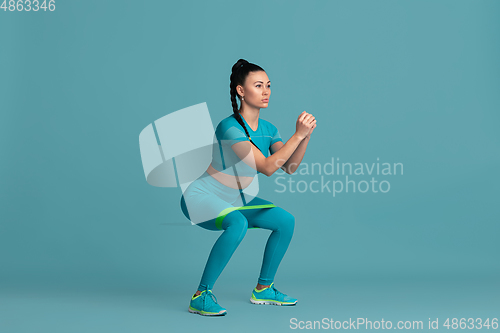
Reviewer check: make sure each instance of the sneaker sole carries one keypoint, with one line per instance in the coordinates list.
(220, 313)
(272, 302)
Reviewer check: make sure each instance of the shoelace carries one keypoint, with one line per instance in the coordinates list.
(279, 295)
(208, 295)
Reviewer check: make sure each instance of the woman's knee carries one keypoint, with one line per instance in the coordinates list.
(236, 221)
(286, 220)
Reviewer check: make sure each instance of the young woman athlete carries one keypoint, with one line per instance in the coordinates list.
(215, 200)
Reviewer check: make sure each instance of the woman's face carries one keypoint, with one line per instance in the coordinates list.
(257, 89)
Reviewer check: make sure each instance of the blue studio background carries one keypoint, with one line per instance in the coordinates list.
(87, 245)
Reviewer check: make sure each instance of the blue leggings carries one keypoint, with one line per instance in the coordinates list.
(208, 195)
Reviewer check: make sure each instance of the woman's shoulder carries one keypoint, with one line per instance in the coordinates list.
(229, 128)
(229, 121)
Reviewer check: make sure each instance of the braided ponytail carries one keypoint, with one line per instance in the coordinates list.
(239, 73)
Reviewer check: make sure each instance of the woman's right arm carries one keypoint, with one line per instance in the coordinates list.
(269, 165)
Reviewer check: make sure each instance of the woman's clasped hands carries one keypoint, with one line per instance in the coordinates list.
(306, 123)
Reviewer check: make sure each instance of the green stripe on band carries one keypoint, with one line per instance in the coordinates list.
(222, 215)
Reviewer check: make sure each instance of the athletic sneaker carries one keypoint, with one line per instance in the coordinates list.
(271, 295)
(206, 304)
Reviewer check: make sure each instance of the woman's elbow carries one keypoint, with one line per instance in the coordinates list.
(282, 168)
(267, 173)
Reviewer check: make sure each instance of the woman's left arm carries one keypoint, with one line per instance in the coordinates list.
(293, 162)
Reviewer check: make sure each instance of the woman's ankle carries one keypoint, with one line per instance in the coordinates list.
(262, 286)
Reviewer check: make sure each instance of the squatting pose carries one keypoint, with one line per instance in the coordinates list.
(215, 201)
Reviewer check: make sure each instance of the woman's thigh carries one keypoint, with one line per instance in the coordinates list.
(271, 217)
(209, 211)
(205, 199)
(203, 209)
